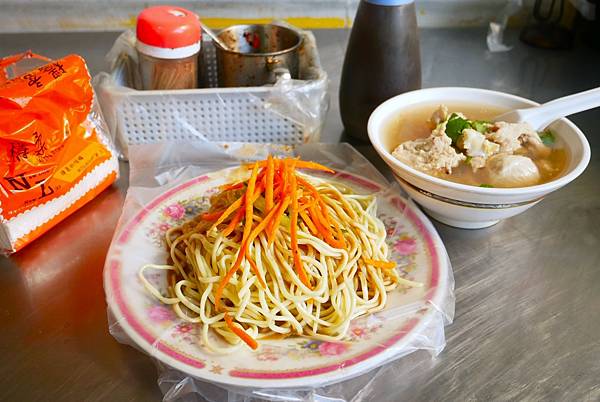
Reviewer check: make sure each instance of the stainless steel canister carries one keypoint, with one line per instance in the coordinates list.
(257, 54)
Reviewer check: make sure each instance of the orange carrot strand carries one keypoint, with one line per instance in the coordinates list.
(313, 166)
(269, 185)
(254, 269)
(321, 219)
(299, 165)
(247, 228)
(250, 202)
(235, 205)
(315, 193)
(320, 228)
(379, 263)
(211, 216)
(234, 186)
(277, 219)
(340, 241)
(308, 222)
(228, 276)
(335, 243)
(253, 235)
(234, 222)
(243, 335)
(294, 229)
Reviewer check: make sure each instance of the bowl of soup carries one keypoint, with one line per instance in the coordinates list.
(462, 167)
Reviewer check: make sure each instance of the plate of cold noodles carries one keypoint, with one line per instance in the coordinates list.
(278, 273)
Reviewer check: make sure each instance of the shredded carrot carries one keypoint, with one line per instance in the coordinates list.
(229, 275)
(247, 228)
(304, 200)
(234, 222)
(333, 242)
(324, 229)
(278, 182)
(306, 203)
(250, 202)
(235, 205)
(323, 216)
(315, 193)
(259, 189)
(340, 242)
(255, 232)
(284, 191)
(313, 165)
(321, 219)
(269, 185)
(254, 269)
(278, 194)
(239, 331)
(300, 165)
(212, 216)
(285, 175)
(294, 229)
(277, 219)
(262, 225)
(233, 186)
(281, 191)
(319, 226)
(309, 222)
(379, 263)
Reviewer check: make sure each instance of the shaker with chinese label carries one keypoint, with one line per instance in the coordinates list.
(168, 43)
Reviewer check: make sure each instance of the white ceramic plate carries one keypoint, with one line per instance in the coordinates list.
(293, 362)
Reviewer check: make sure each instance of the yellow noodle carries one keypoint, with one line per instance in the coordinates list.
(344, 287)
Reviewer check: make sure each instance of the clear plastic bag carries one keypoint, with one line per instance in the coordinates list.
(158, 170)
(288, 112)
(497, 27)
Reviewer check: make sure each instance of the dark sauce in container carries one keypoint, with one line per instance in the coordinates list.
(382, 60)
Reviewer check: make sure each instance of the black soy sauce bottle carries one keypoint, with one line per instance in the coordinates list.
(382, 60)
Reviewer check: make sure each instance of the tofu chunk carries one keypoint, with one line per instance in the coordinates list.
(475, 145)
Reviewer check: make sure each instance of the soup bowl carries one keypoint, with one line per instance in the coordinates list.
(463, 205)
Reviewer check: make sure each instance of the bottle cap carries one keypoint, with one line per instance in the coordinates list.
(390, 2)
(168, 32)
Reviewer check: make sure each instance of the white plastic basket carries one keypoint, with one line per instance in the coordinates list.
(290, 112)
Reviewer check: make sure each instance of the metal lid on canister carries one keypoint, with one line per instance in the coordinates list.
(168, 32)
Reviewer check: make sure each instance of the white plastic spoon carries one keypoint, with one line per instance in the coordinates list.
(540, 116)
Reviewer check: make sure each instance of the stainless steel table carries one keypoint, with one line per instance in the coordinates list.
(527, 323)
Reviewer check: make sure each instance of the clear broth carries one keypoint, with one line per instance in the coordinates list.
(414, 123)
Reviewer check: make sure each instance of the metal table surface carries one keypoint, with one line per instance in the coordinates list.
(527, 323)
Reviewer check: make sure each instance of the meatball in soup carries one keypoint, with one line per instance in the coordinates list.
(460, 143)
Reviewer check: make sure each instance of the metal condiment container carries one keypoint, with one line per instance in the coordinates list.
(168, 43)
(257, 54)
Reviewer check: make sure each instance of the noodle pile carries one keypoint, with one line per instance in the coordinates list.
(280, 254)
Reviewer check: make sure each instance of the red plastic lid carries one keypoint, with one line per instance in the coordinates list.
(168, 27)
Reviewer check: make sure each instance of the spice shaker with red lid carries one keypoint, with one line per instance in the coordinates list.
(168, 44)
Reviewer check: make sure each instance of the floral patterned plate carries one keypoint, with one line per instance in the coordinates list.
(295, 361)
